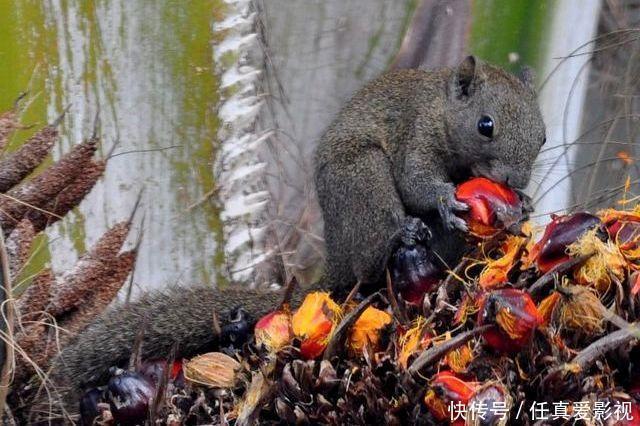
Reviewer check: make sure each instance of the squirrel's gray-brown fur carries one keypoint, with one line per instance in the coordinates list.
(392, 155)
(398, 147)
(177, 316)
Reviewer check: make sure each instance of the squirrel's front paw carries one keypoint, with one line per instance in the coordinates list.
(448, 206)
(414, 231)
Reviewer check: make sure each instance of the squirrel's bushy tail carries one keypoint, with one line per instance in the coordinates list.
(180, 317)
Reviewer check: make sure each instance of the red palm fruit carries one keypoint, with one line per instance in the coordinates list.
(414, 271)
(634, 416)
(563, 231)
(447, 389)
(515, 316)
(492, 206)
(314, 322)
(274, 330)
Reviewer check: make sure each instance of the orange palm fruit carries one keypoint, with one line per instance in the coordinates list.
(314, 322)
(492, 206)
(515, 315)
(368, 328)
(273, 330)
(447, 389)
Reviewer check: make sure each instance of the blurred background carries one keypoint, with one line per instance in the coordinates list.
(212, 109)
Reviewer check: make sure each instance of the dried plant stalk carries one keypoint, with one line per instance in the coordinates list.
(105, 290)
(73, 287)
(37, 192)
(70, 197)
(19, 246)
(35, 298)
(16, 166)
(8, 124)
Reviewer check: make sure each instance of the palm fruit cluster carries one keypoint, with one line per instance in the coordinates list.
(533, 326)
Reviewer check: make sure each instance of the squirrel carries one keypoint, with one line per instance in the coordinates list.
(386, 166)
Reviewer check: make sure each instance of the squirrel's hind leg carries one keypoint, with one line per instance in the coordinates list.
(362, 213)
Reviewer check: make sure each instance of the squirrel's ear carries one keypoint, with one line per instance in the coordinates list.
(467, 77)
(527, 76)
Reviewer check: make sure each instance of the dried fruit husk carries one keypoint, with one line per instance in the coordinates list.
(579, 310)
(551, 249)
(605, 264)
(314, 322)
(213, 369)
(367, 330)
(516, 316)
(492, 206)
(415, 339)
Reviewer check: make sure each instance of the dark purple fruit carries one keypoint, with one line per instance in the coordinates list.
(413, 266)
(414, 271)
(89, 410)
(129, 395)
(563, 231)
(238, 328)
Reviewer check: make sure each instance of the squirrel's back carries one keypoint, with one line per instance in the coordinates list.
(381, 111)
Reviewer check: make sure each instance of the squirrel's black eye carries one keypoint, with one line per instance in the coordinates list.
(544, 141)
(485, 126)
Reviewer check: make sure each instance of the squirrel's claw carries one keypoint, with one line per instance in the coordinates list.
(454, 222)
(459, 206)
(448, 205)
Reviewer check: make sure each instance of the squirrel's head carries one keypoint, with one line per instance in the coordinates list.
(494, 123)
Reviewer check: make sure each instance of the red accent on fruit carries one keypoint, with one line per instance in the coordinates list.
(515, 315)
